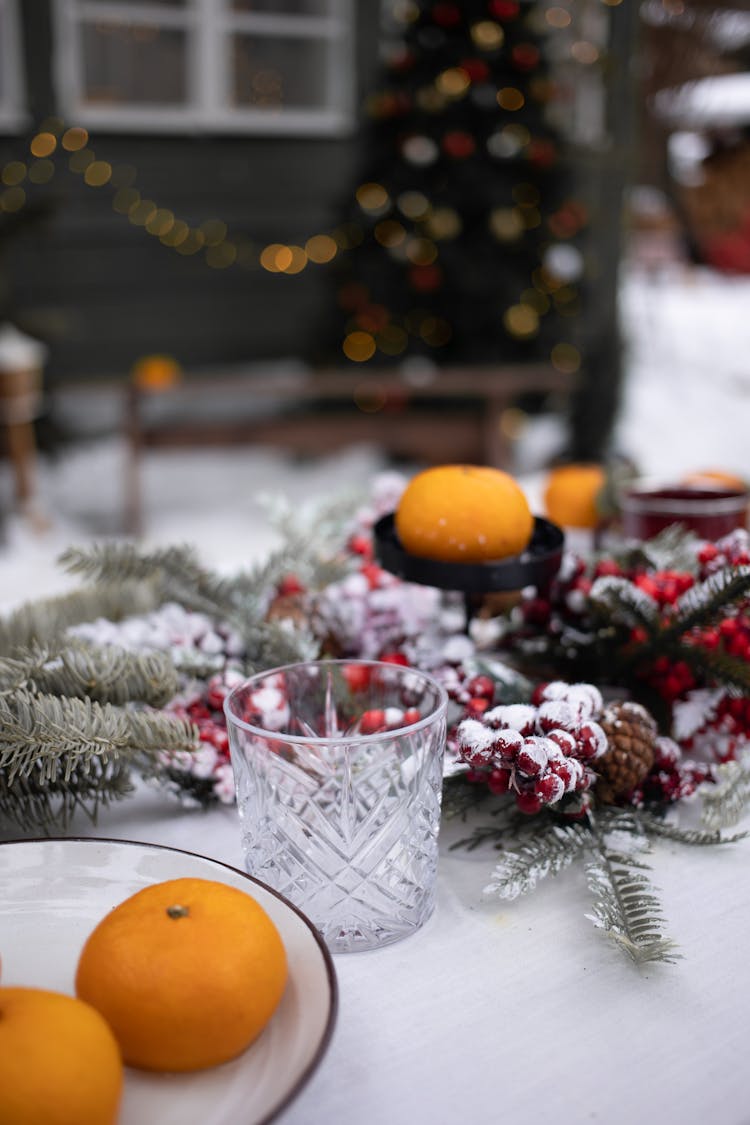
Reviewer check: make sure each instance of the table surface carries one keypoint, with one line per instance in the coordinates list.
(521, 1011)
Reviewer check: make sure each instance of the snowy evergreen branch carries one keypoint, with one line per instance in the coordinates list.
(725, 802)
(25, 803)
(693, 837)
(617, 597)
(48, 737)
(625, 906)
(548, 853)
(48, 619)
(105, 674)
(673, 548)
(712, 665)
(708, 600)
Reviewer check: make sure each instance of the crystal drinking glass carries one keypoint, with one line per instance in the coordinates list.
(338, 767)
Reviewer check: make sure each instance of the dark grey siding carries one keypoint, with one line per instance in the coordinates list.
(103, 292)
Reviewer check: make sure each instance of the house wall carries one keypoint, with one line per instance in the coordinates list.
(103, 293)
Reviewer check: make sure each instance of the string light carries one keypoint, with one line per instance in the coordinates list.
(372, 328)
(43, 144)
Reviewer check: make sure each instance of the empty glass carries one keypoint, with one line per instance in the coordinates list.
(338, 767)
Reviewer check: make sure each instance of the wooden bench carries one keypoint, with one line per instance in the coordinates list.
(412, 413)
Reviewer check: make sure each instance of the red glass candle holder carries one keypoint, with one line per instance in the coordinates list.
(709, 512)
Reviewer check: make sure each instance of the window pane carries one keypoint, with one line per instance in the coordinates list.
(128, 64)
(273, 74)
(287, 8)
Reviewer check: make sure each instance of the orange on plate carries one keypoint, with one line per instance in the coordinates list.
(572, 493)
(59, 1061)
(463, 513)
(187, 973)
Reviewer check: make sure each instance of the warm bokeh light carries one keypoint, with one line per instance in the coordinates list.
(510, 98)
(372, 197)
(43, 144)
(13, 173)
(521, 321)
(453, 83)
(488, 35)
(565, 358)
(75, 139)
(359, 346)
(321, 248)
(98, 173)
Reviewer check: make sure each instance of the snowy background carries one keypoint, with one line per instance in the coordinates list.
(686, 407)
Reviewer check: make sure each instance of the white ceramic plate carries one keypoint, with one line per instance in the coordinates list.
(52, 894)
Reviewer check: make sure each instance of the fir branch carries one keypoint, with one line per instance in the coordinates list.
(27, 804)
(708, 600)
(50, 737)
(674, 548)
(625, 905)
(106, 674)
(711, 665)
(693, 837)
(725, 802)
(49, 618)
(461, 797)
(617, 597)
(548, 853)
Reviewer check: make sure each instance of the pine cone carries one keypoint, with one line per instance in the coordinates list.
(631, 733)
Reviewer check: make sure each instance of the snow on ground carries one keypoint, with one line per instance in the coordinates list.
(686, 406)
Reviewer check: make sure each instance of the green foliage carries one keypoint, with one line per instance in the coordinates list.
(58, 754)
(726, 801)
(104, 674)
(47, 620)
(625, 906)
(547, 854)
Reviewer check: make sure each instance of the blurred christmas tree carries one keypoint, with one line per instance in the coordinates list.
(462, 240)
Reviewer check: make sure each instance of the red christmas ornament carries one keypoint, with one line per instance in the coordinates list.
(446, 15)
(458, 144)
(542, 154)
(503, 9)
(525, 56)
(477, 69)
(425, 279)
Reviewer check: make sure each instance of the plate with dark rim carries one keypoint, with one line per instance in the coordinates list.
(535, 566)
(54, 892)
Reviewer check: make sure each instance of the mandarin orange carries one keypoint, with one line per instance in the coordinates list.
(571, 495)
(463, 513)
(59, 1061)
(187, 973)
(715, 478)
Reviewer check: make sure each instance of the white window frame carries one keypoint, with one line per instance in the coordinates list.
(209, 25)
(13, 111)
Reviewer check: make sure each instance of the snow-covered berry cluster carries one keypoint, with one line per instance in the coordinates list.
(538, 751)
(732, 550)
(671, 778)
(171, 628)
(207, 772)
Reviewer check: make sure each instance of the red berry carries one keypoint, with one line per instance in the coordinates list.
(357, 676)
(290, 584)
(361, 545)
(482, 686)
(499, 781)
(528, 803)
(372, 721)
(477, 706)
(373, 573)
(532, 757)
(394, 658)
(412, 715)
(549, 788)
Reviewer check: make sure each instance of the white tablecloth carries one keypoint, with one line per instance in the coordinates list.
(522, 1012)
